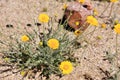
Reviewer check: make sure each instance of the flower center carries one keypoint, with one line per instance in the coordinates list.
(43, 18)
(78, 32)
(66, 67)
(92, 21)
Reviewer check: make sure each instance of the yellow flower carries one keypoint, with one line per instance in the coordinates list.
(117, 28)
(43, 18)
(64, 6)
(53, 43)
(77, 23)
(66, 67)
(95, 12)
(116, 22)
(24, 38)
(56, 15)
(40, 43)
(92, 21)
(99, 37)
(113, 1)
(103, 25)
(7, 59)
(77, 32)
(23, 73)
(81, 1)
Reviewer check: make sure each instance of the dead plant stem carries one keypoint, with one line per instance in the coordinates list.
(105, 9)
(111, 9)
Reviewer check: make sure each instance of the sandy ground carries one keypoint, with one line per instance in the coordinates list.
(92, 65)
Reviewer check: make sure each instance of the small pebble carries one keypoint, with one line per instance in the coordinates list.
(29, 25)
(85, 6)
(37, 24)
(9, 26)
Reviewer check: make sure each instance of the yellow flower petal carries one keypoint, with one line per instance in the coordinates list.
(95, 12)
(103, 25)
(66, 67)
(53, 43)
(23, 73)
(43, 18)
(77, 32)
(117, 28)
(82, 1)
(64, 6)
(77, 23)
(7, 59)
(24, 38)
(92, 21)
(40, 43)
(113, 1)
(99, 37)
(116, 22)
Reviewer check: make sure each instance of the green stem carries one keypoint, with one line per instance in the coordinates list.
(44, 34)
(1, 42)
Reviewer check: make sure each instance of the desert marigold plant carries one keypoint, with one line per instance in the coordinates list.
(44, 52)
(117, 28)
(92, 21)
(24, 38)
(43, 18)
(66, 67)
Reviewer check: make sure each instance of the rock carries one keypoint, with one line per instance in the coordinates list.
(78, 12)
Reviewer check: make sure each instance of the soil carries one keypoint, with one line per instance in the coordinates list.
(93, 64)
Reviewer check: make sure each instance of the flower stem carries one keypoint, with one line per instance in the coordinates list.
(93, 32)
(111, 9)
(105, 9)
(44, 34)
(116, 45)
